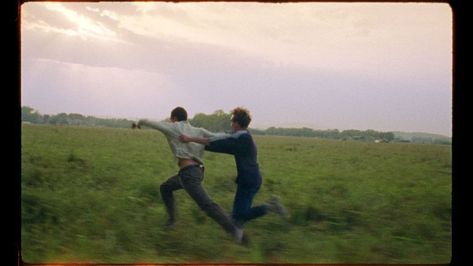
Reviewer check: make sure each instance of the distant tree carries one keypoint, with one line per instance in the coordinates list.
(387, 136)
(75, 119)
(59, 119)
(218, 121)
(46, 119)
(28, 114)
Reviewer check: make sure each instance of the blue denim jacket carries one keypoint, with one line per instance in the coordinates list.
(241, 145)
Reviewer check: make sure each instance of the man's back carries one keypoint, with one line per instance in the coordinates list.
(172, 131)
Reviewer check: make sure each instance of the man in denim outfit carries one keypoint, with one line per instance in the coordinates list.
(241, 145)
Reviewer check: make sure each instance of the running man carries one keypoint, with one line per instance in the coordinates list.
(191, 170)
(241, 145)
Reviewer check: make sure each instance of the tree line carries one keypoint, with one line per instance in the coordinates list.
(29, 115)
(219, 121)
(351, 134)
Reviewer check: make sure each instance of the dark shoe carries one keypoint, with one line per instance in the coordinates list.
(170, 225)
(245, 241)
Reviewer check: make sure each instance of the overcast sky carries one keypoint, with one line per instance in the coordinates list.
(380, 66)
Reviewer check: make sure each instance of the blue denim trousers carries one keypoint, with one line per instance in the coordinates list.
(242, 210)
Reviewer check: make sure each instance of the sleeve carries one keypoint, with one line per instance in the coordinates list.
(166, 128)
(213, 136)
(231, 144)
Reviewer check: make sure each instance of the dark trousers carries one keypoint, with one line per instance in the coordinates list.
(242, 210)
(189, 178)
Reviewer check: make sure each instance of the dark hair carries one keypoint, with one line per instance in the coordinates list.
(241, 116)
(179, 113)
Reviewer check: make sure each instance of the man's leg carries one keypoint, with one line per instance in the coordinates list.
(242, 210)
(166, 189)
(191, 181)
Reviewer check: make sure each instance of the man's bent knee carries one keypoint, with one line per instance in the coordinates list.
(165, 188)
(208, 206)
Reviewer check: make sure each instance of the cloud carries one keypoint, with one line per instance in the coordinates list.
(96, 10)
(110, 14)
(349, 37)
(78, 24)
(379, 39)
(43, 26)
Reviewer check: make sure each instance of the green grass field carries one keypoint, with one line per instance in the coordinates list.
(92, 195)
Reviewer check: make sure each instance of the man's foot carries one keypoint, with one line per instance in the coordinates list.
(241, 238)
(245, 241)
(238, 235)
(170, 224)
(275, 205)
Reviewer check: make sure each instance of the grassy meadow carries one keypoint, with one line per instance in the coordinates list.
(92, 195)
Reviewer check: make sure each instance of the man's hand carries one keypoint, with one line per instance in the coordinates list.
(135, 125)
(184, 138)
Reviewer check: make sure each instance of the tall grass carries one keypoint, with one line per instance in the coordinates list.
(92, 195)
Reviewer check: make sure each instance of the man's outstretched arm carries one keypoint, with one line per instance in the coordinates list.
(163, 126)
(202, 140)
(230, 144)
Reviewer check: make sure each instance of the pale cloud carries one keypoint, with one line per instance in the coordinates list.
(340, 38)
(43, 26)
(83, 26)
(144, 7)
(96, 10)
(336, 37)
(31, 22)
(110, 14)
(227, 25)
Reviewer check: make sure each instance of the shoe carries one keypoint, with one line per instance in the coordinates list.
(241, 238)
(245, 241)
(276, 206)
(238, 235)
(170, 225)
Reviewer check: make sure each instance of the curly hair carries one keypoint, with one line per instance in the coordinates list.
(179, 113)
(241, 116)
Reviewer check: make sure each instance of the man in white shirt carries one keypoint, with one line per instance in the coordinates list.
(191, 170)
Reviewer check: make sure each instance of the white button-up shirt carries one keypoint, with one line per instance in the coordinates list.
(172, 131)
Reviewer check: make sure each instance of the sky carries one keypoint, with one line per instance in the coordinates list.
(379, 66)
